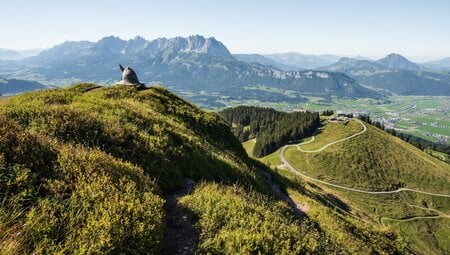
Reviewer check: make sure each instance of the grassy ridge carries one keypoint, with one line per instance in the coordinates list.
(347, 224)
(147, 128)
(82, 169)
(235, 221)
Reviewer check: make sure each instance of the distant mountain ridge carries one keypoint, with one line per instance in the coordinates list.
(303, 61)
(289, 61)
(442, 64)
(13, 86)
(346, 64)
(193, 63)
(8, 54)
(258, 58)
(397, 61)
(396, 74)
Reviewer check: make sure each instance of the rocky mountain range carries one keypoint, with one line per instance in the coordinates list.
(191, 64)
(205, 68)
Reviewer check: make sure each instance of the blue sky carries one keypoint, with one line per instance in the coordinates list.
(416, 29)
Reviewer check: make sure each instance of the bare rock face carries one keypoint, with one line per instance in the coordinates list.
(129, 77)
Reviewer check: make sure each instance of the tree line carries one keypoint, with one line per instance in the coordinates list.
(272, 129)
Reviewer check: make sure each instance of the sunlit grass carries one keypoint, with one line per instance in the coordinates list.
(332, 132)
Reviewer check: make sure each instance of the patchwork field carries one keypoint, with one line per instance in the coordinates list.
(423, 116)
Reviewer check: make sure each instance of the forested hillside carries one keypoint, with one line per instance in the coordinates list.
(271, 128)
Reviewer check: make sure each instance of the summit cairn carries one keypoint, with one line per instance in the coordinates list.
(130, 78)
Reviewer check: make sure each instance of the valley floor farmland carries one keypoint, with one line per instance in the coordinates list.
(423, 116)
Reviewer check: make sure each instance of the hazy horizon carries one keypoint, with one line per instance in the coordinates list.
(415, 29)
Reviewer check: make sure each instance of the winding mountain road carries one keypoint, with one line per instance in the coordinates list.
(412, 218)
(295, 171)
(415, 218)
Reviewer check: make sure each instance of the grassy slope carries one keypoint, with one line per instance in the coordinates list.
(403, 163)
(248, 146)
(348, 226)
(63, 197)
(235, 221)
(82, 169)
(420, 234)
(374, 161)
(335, 217)
(333, 132)
(336, 210)
(272, 160)
(438, 155)
(148, 128)
(427, 236)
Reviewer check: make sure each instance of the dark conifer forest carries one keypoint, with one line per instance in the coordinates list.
(271, 128)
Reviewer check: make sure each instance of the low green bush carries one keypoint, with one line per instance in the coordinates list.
(233, 220)
(93, 203)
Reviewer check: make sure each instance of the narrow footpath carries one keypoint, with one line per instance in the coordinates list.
(181, 236)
